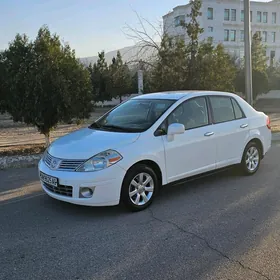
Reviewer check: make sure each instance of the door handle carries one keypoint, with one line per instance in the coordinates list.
(209, 134)
(244, 125)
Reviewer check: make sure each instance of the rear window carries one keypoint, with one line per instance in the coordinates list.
(237, 110)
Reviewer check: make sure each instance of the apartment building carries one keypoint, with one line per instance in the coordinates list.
(223, 22)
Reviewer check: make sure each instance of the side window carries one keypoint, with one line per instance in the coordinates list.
(237, 110)
(222, 109)
(192, 113)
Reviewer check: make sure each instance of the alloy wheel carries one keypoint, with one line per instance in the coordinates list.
(141, 189)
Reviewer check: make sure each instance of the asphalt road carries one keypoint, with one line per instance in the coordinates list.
(221, 227)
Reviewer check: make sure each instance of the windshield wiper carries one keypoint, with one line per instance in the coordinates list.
(116, 127)
(112, 127)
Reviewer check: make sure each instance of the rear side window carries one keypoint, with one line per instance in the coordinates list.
(222, 109)
(237, 110)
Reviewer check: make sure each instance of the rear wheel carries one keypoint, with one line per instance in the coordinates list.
(251, 159)
(140, 186)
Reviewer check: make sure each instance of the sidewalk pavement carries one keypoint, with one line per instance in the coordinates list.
(276, 136)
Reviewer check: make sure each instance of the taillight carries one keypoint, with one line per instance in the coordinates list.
(268, 122)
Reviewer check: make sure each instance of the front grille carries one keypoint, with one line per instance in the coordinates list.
(60, 189)
(70, 164)
(65, 164)
(48, 159)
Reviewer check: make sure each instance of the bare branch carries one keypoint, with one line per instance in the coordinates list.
(143, 40)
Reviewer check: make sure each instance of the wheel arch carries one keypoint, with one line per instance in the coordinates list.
(258, 142)
(152, 164)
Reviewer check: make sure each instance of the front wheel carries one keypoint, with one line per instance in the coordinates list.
(139, 188)
(251, 159)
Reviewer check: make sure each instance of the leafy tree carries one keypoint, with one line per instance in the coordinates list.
(3, 89)
(170, 71)
(46, 83)
(120, 78)
(193, 31)
(259, 80)
(273, 74)
(259, 58)
(259, 70)
(216, 70)
(100, 79)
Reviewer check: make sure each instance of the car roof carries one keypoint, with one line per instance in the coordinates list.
(176, 95)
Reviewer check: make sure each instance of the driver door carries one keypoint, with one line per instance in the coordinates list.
(193, 152)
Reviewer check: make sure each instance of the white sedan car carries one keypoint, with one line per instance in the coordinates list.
(153, 140)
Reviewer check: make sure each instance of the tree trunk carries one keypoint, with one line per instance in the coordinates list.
(120, 99)
(47, 139)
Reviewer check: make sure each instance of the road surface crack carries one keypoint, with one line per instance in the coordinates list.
(208, 245)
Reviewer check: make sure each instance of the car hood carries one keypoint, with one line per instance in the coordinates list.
(86, 142)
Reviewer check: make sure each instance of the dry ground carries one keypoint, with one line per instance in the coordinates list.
(16, 138)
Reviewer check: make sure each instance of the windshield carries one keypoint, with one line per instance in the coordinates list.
(135, 115)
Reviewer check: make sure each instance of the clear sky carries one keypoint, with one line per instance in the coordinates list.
(89, 26)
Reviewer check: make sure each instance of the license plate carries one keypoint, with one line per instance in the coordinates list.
(49, 179)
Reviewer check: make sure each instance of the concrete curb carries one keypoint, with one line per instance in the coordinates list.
(275, 136)
(32, 160)
(19, 161)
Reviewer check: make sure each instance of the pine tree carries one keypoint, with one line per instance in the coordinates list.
(259, 58)
(193, 31)
(170, 71)
(45, 82)
(120, 78)
(100, 79)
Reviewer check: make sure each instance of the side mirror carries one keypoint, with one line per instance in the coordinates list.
(173, 129)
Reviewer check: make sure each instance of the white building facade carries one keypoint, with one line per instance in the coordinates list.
(223, 22)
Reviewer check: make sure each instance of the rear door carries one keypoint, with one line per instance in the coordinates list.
(231, 127)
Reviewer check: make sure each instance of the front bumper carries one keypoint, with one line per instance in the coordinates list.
(106, 184)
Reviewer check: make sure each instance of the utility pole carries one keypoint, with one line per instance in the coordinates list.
(247, 48)
(140, 78)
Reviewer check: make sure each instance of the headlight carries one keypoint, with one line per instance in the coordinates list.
(100, 161)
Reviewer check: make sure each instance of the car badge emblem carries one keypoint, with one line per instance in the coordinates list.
(55, 163)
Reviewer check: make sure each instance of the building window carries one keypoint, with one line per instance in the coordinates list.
(273, 17)
(242, 35)
(264, 36)
(233, 14)
(210, 13)
(264, 17)
(210, 29)
(242, 15)
(259, 16)
(226, 14)
(179, 21)
(232, 35)
(226, 35)
(273, 37)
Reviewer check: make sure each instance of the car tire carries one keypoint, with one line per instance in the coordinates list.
(251, 159)
(139, 188)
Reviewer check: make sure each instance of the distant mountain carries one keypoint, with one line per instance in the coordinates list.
(129, 54)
